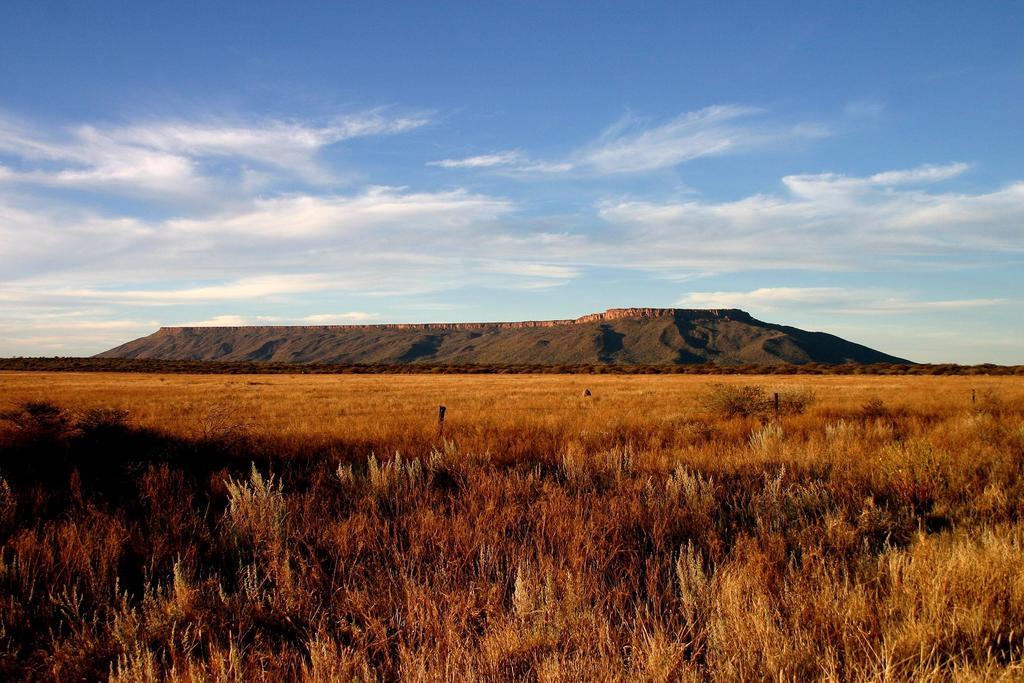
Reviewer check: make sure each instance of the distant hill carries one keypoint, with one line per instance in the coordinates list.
(627, 336)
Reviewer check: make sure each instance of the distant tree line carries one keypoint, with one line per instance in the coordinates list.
(70, 364)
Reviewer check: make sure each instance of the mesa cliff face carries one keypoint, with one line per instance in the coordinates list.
(610, 314)
(618, 335)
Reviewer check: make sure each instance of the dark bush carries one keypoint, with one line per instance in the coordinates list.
(874, 409)
(102, 421)
(37, 418)
(753, 401)
(736, 401)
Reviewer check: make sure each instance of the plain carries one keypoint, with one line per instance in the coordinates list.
(555, 527)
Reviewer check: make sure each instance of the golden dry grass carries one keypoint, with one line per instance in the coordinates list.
(378, 406)
(317, 527)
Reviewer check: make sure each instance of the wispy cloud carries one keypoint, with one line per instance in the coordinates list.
(170, 157)
(532, 275)
(268, 234)
(46, 330)
(276, 143)
(335, 217)
(225, 320)
(635, 146)
(630, 147)
(244, 289)
(870, 301)
(510, 162)
(864, 109)
(825, 221)
(833, 184)
(380, 242)
(235, 320)
(60, 332)
(340, 318)
(507, 158)
(390, 241)
(301, 233)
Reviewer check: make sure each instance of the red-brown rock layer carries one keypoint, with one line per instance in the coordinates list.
(610, 314)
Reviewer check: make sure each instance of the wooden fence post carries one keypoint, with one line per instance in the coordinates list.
(974, 396)
(776, 404)
(440, 420)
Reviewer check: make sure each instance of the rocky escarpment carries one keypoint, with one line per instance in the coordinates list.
(618, 335)
(610, 314)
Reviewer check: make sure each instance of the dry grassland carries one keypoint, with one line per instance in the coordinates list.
(385, 407)
(318, 527)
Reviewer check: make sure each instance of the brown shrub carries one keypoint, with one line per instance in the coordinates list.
(730, 400)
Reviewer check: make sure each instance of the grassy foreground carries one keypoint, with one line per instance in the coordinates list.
(323, 527)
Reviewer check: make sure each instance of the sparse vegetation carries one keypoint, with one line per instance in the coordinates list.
(322, 529)
(70, 364)
(729, 400)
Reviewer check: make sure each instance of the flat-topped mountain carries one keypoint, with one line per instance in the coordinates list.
(649, 336)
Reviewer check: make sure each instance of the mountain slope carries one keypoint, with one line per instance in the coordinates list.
(653, 336)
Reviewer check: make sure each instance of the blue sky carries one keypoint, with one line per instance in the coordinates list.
(848, 167)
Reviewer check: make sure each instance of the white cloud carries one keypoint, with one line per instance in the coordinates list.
(831, 185)
(41, 330)
(483, 161)
(826, 221)
(829, 299)
(234, 320)
(765, 298)
(337, 216)
(542, 167)
(90, 158)
(512, 162)
(381, 242)
(707, 132)
(929, 173)
(348, 317)
(335, 251)
(364, 238)
(532, 275)
(275, 143)
(546, 270)
(86, 324)
(56, 330)
(166, 157)
(245, 289)
(633, 146)
(227, 320)
(390, 241)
